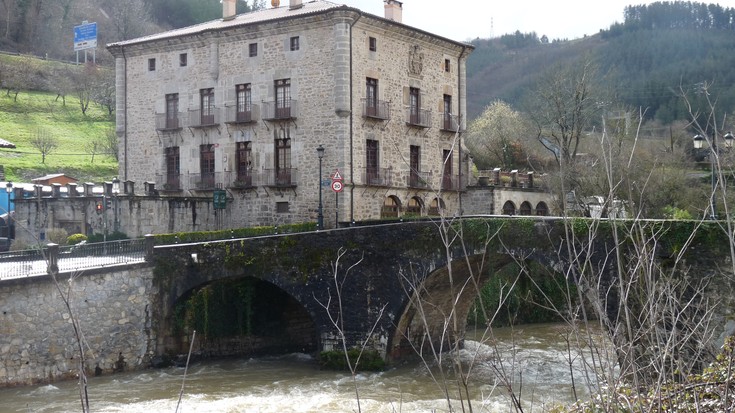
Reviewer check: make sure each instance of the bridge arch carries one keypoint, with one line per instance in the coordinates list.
(242, 315)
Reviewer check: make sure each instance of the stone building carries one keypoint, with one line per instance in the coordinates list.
(243, 103)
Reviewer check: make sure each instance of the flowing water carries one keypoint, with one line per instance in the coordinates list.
(535, 357)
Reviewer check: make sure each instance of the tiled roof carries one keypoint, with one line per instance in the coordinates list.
(257, 16)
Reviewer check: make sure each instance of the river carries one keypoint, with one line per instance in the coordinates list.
(536, 356)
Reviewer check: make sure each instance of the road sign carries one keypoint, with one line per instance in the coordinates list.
(337, 186)
(337, 176)
(85, 36)
(219, 198)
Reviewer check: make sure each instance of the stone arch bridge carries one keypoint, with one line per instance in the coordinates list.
(392, 287)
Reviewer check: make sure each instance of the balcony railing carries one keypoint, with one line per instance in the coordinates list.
(165, 123)
(449, 122)
(418, 117)
(198, 119)
(281, 178)
(241, 180)
(378, 176)
(168, 182)
(232, 115)
(451, 182)
(205, 181)
(417, 179)
(376, 109)
(281, 111)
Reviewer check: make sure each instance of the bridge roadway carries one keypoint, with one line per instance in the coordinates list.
(393, 287)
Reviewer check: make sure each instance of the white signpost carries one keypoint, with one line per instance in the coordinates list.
(337, 187)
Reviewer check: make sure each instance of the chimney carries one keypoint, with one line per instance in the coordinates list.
(228, 9)
(295, 4)
(394, 10)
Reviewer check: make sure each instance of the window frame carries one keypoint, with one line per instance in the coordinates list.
(414, 105)
(206, 106)
(372, 160)
(173, 166)
(282, 91)
(183, 60)
(371, 96)
(172, 111)
(244, 162)
(447, 65)
(207, 165)
(152, 64)
(294, 43)
(372, 44)
(253, 49)
(243, 102)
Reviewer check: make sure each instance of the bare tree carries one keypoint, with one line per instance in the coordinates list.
(499, 138)
(45, 143)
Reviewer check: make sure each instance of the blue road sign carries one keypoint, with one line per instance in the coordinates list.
(85, 36)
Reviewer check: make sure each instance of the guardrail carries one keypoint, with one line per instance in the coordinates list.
(28, 263)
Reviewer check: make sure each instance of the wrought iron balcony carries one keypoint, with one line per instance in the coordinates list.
(241, 180)
(166, 123)
(378, 176)
(451, 182)
(280, 110)
(280, 178)
(417, 179)
(449, 122)
(199, 119)
(205, 181)
(168, 182)
(376, 109)
(232, 115)
(418, 117)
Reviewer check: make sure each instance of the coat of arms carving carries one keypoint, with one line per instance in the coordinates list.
(415, 60)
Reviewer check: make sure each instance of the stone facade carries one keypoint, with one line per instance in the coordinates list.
(37, 338)
(307, 71)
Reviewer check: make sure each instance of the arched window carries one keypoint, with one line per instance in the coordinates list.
(391, 206)
(525, 208)
(542, 209)
(436, 206)
(414, 206)
(509, 208)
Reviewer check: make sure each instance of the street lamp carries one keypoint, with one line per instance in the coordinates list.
(115, 191)
(8, 190)
(698, 142)
(320, 219)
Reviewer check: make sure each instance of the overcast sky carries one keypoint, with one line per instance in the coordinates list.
(468, 19)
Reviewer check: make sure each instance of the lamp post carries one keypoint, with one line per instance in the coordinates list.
(115, 191)
(320, 218)
(8, 190)
(698, 141)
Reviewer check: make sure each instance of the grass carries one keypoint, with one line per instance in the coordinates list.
(41, 112)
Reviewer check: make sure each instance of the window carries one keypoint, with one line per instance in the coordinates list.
(172, 111)
(283, 98)
(509, 208)
(447, 65)
(294, 43)
(373, 44)
(151, 64)
(253, 49)
(282, 207)
(206, 165)
(172, 168)
(525, 208)
(447, 117)
(244, 161)
(371, 97)
(447, 173)
(542, 209)
(414, 178)
(182, 59)
(371, 162)
(283, 161)
(414, 105)
(244, 105)
(207, 106)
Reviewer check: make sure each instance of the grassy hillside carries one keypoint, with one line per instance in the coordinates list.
(35, 113)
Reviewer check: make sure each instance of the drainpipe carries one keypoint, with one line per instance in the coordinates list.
(125, 107)
(352, 120)
(459, 124)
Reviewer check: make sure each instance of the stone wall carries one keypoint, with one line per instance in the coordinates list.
(37, 341)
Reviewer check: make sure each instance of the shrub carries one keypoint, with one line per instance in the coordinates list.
(75, 239)
(57, 236)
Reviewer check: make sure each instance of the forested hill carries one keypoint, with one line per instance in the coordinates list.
(645, 60)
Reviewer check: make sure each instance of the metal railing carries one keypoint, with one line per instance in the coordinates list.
(199, 119)
(418, 117)
(418, 179)
(168, 182)
(280, 110)
(377, 176)
(377, 109)
(205, 181)
(29, 263)
(165, 123)
(232, 115)
(284, 177)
